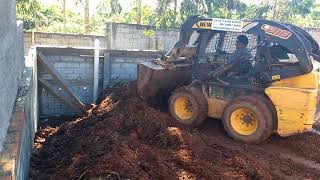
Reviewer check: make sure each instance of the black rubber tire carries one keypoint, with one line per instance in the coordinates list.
(264, 113)
(198, 101)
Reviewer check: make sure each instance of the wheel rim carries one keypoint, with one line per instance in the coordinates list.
(183, 108)
(244, 121)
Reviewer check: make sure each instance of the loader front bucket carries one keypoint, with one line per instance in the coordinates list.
(154, 78)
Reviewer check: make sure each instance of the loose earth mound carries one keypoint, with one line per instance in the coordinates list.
(125, 138)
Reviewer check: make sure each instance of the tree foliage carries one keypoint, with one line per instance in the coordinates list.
(166, 13)
(109, 9)
(27, 11)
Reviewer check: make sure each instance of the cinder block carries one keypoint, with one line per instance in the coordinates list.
(115, 75)
(52, 106)
(71, 64)
(125, 76)
(134, 75)
(80, 70)
(65, 70)
(66, 58)
(132, 66)
(59, 64)
(124, 65)
(85, 65)
(132, 70)
(116, 65)
(89, 70)
(72, 76)
(124, 59)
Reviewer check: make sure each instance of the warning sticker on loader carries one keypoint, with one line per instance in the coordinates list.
(276, 77)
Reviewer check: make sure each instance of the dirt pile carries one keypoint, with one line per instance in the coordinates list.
(124, 138)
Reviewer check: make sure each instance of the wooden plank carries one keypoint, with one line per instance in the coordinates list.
(64, 84)
(58, 94)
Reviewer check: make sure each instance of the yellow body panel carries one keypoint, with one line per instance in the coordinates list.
(295, 100)
(216, 107)
(307, 81)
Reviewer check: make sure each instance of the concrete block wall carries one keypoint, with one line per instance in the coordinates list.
(11, 62)
(132, 36)
(61, 39)
(124, 68)
(118, 36)
(15, 157)
(76, 67)
(18, 112)
(315, 33)
(121, 65)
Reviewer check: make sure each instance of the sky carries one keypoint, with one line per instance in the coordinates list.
(125, 4)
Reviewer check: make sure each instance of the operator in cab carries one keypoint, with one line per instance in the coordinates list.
(238, 64)
(243, 55)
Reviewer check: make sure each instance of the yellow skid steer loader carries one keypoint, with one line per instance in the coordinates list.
(258, 76)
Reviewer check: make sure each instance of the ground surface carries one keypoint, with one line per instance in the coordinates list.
(124, 138)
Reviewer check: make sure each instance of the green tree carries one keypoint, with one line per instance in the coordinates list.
(167, 13)
(109, 10)
(315, 12)
(28, 12)
(138, 9)
(148, 16)
(64, 13)
(86, 16)
(212, 8)
(86, 21)
(291, 10)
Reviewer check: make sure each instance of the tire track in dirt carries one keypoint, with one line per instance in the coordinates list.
(304, 145)
(282, 160)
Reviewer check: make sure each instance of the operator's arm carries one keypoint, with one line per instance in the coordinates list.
(235, 58)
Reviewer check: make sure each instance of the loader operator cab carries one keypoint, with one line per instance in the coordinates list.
(244, 68)
(245, 58)
(257, 76)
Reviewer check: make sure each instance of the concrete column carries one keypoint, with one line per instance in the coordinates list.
(96, 70)
(113, 35)
(32, 37)
(106, 70)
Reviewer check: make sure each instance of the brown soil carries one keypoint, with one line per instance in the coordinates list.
(124, 138)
